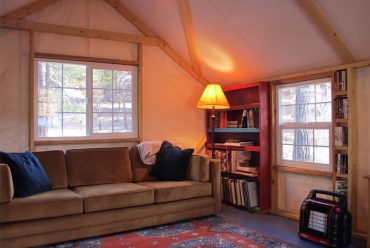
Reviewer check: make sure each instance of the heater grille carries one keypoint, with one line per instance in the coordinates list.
(318, 221)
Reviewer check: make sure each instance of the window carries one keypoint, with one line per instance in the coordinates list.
(85, 100)
(304, 124)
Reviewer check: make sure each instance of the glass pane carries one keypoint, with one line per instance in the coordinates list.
(287, 96)
(322, 155)
(74, 76)
(303, 137)
(50, 101)
(122, 80)
(323, 92)
(287, 114)
(287, 152)
(303, 153)
(118, 101)
(122, 122)
(102, 100)
(74, 100)
(49, 74)
(323, 112)
(74, 124)
(305, 113)
(321, 137)
(50, 125)
(288, 136)
(306, 94)
(102, 123)
(102, 79)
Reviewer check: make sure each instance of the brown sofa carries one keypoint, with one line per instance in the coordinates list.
(100, 191)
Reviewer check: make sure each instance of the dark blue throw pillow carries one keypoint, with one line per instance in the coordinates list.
(171, 163)
(29, 177)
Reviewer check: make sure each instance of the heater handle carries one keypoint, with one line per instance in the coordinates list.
(342, 199)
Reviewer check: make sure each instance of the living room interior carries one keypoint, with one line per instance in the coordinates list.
(184, 123)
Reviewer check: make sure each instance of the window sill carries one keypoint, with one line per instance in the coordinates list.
(303, 171)
(84, 141)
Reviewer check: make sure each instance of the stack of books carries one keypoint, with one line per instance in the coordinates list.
(237, 162)
(240, 192)
(232, 124)
(342, 108)
(342, 163)
(340, 80)
(341, 136)
(341, 186)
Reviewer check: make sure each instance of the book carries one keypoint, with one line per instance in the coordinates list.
(341, 136)
(341, 186)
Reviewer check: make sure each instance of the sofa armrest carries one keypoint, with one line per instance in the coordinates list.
(6, 184)
(199, 168)
(215, 176)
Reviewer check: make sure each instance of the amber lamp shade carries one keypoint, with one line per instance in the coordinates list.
(213, 98)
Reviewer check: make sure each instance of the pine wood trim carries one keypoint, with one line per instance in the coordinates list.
(86, 59)
(29, 9)
(352, 158)
(318, 19)
(140, 82)
(303, 171)
(274, 176)
(31, 86)
(182, 62)
(83, 32)
(358, 64)
(83, 141)
(137, 22)
(187, 23)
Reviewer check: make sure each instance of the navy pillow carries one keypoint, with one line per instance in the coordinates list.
(29, 177)
(171, 163)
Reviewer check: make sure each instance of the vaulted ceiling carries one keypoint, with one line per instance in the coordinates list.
(247, 40)
(233, 41)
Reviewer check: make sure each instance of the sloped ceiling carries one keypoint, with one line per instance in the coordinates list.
(248, 40)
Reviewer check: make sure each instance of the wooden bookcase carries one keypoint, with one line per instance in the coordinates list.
(343, 141)
(252, 97)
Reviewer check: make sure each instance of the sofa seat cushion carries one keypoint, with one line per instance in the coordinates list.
(54, 203)
(166, 191)
(112, 196)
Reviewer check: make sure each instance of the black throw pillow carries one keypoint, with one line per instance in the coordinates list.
(29, 177)
(171, 163)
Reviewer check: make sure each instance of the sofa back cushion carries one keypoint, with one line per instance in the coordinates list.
(54, 164)
(98, 166)
(140, 171)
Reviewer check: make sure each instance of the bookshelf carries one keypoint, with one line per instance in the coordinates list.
(243, 146)
(343, 145)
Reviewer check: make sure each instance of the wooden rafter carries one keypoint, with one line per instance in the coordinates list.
(30, 9)
(83, 32)
(139, 24)
(189, 33)
(318, 18)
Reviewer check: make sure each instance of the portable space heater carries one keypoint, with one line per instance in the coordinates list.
(325, 219)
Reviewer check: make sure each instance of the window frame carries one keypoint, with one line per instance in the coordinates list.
(90, 136)
(308, 125)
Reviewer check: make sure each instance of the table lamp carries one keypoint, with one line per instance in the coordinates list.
(213, 98)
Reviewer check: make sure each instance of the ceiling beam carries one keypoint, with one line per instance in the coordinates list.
(140, 25)
(29, 9)
(186, 17)
(82, 32)
(317, 17)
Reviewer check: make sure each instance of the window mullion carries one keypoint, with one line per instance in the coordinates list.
(89, 100)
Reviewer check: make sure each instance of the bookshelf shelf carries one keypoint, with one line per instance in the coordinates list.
(234, 130)
(339, 175)
(341, 121)
(250, 107)
(341, 148)
(238, 148)
(340, 93)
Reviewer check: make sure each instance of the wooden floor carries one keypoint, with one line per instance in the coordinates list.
(279, 227)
